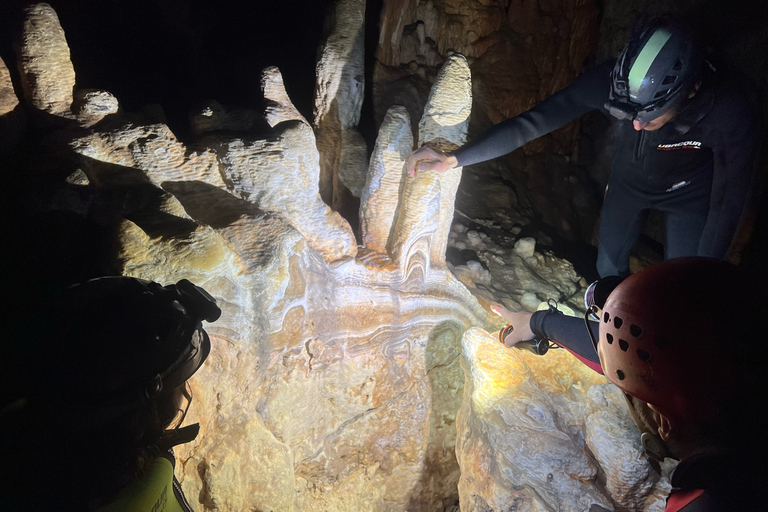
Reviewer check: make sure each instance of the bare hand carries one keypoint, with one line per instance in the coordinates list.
(521, 322)
(427, 158)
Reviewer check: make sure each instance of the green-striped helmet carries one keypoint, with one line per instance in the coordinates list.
(655, 70)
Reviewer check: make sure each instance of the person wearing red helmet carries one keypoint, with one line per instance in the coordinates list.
(680, 340)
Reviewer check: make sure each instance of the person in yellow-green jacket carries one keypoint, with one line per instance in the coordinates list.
(97, 394)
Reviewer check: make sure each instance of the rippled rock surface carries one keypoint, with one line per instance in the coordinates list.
(335, 374)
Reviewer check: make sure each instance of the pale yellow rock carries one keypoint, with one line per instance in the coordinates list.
(91, 106)
(8, 99)
(46, 71)
(444, 125)
(281, 176)
(150, 153)
(340, 68)
(279, 106)
(386, 175)
(614, 440)
(417, 224)
(520, 430)
(339, 91)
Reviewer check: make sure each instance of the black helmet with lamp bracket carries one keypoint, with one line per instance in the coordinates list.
(113, 345)
(654, 72)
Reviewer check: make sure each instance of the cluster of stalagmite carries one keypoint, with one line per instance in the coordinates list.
(334, 380)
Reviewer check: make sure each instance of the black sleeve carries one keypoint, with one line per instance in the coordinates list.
(588, 92)
(568, 332)
(732, 178)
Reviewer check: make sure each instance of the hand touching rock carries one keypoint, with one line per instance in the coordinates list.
(427, 158)
(520, 322)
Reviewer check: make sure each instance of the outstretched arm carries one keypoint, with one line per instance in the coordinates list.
(588, 92)
(567, 332)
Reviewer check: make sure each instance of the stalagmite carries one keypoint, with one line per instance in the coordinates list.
(47, 74)
(338, 100)
(426, 213)
(386, 176)
(279, 107)
(8, 99)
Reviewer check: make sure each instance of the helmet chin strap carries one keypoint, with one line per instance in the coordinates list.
(177, 436)
(654, 446)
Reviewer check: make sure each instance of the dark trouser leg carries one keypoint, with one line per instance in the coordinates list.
(683, 233)
(621, 222)
(685, 213)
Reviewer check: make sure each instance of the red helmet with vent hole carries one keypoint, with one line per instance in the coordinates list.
(667, 335)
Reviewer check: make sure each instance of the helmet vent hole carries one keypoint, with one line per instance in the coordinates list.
(606, 317)
(623, 345)
(678, 65)
(635, 330)
(669, 79)
(617, 321)
(643, 355)
(660, 94)
(609, 338)
(620, 374)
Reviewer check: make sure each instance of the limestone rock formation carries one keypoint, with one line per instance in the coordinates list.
(334, 379)
(338, 100)
(529, 426)
(11, 119)
(331, 381)
(47, 74)
(386, 176)
(8, 99)
(444, 125)
(612, 438)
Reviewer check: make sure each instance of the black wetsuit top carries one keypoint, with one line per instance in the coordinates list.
(709, 143)
(705, 482)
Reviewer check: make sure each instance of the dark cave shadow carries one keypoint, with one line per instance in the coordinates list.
(219, 208)
(441, 355)
(125, 192)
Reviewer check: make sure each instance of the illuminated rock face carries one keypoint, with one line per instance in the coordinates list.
(546, 433)
(334, 378)
(8, 99)
(47, 74)
(333, 381)
(338, 100)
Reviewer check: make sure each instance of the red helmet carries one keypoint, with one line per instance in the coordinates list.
(669, 336)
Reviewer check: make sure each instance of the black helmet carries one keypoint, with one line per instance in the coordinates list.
(654, 71)
(111, 345)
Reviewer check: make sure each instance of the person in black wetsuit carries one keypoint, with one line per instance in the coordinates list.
(685, 136)
(681, 340)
